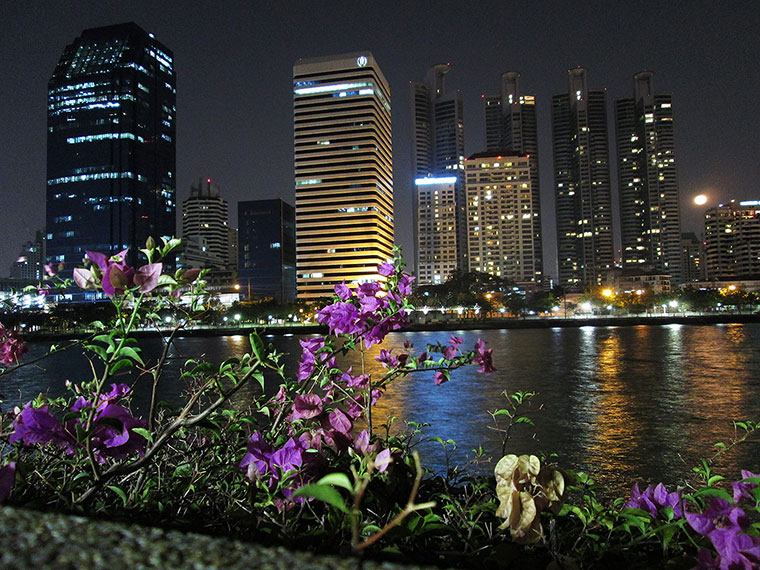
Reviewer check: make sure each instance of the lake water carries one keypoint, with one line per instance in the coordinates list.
(624, 403)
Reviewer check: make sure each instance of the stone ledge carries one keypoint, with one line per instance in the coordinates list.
(51, 541)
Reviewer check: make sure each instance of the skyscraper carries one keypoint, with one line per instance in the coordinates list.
(111, 173)
(205, 227)
(267, 249)
(438, 152)
(343, 172)
(500, 213)
(650, 219)
(511, 126)
(585, 248)
(732, 241)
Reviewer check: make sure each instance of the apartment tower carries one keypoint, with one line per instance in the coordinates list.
(437, 160)
(511, 126)
(500, 214)
(205, 227)
(650, 219)
(343, 172)
(585, 248)
(111, 173)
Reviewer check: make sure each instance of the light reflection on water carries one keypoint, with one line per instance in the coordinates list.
(626, 403)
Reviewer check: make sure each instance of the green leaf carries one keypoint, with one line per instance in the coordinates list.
(132, 353)
(715, 479)
(119, 364)
(144, 432)
(119, 492)
(257, 346)
(324, 493)
(259, 377)
(338, 480)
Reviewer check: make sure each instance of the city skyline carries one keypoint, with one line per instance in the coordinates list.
(246, 147)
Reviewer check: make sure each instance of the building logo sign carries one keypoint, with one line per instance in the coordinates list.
(361, 61)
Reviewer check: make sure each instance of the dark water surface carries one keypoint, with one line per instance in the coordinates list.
(625, 403)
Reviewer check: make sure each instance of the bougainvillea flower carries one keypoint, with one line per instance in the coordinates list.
(147, 276)
(341, 318)
(288, 458)
(343, 291)
(367, 289)
(37, 425)
(340, 421)
(113, 434)
(85, 279)
(483, 357)
(643, 501)
(720, 514)
(52, 269)
(383, 460)
(12, 347)
(439, 377)
(736, 551)
(386, 269)
(362, 444)
(7, 478)
(306, 406)
(742, 488)
(256, 460)
(405, 284)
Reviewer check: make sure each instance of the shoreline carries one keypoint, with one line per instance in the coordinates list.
(445, 325)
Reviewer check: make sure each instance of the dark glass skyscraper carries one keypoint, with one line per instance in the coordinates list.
(585, 248)
(650, 217)
(267, 249)
(111, 144)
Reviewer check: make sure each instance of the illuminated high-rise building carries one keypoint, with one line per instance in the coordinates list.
(511, 126)
(111, 173)
(500, 213)
(650, 219)
(438, 154)
(585, 247)
(205, 227)
(343, 172)
(732, 241)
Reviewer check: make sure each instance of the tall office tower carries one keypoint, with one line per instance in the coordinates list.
(28, 265)
(650, 219)
(732, 241)
(435, 211)
(205, 227)
(585, 248)
(111, 144)
(692, 257)
(438, 152)
(343, 172)
(511, 125)
(500, 213)
(267, 249)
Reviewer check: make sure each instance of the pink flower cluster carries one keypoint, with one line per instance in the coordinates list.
(113, 434)
(113, 275)
(12, 347)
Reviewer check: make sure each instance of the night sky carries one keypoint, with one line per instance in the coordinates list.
(234, 100)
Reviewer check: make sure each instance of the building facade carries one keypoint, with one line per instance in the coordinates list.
(500, 213)
(343, 172)
(436, 209)
(111, 174)
(205, 227)
(732, 241)
(438, 154)
(29, 263)
(583, 199)
(650, 219)
(267, 250)
(511, 125)
(692, 257)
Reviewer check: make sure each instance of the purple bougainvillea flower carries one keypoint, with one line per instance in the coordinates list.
(288, 458)
(7, 478)
(85, 279)
(742, 488)
(720, 514)
(52, 269)
(256, 460)
(362, 444)
(367, 289)
(643, 501)
(483, 357)
(113, 434)
(653, 498)
(736, 551)
(386, 269)
(450, 352)
(147, 277)
(405, 284)
(383, 460)
(370, 304)
(341, 318)
(386, 358)
(37, 425)
(117, 276)
(12, 347)
(340, 421)
(306, 406)
(343, 291)
(439, 378)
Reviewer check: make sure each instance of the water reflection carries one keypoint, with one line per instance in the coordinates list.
(624, 402)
